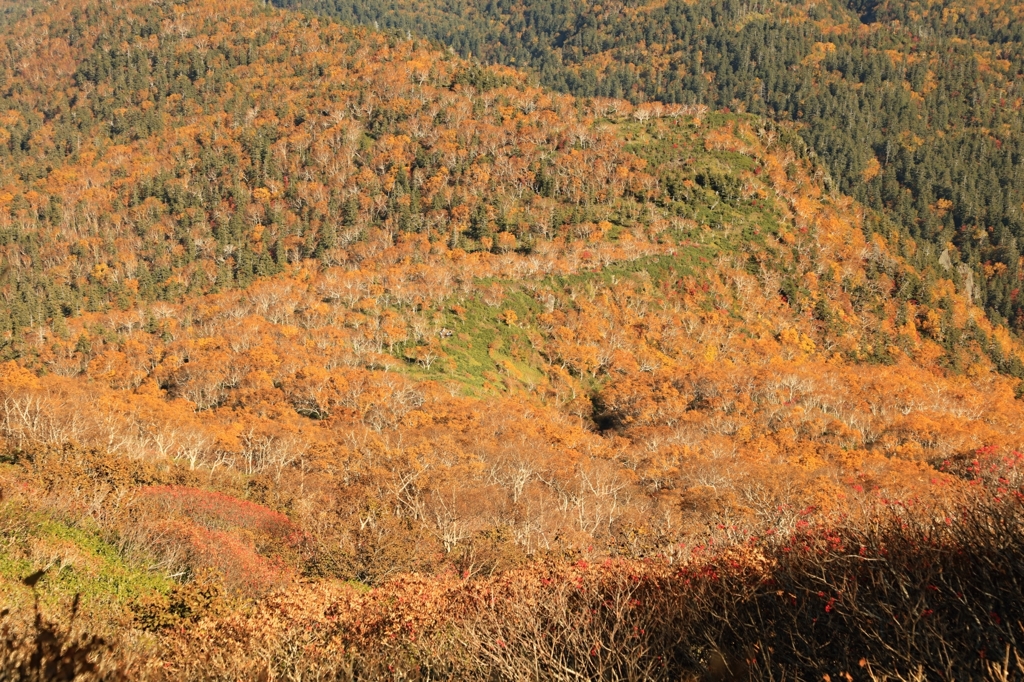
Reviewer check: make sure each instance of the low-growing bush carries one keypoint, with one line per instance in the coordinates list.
(901, 597)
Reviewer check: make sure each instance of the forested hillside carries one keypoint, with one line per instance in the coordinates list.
(332, 355)
(149, 160)
(914, 108)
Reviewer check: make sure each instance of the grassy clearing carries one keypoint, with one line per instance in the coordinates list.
(77, 560)
(708, 190)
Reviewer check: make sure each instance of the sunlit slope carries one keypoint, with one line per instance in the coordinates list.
(251, 240)
(914, 108)
(153, 154)
(302, 320)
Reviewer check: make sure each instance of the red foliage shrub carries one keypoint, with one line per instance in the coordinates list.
(998, 472)
(216, 510)
(192, 529)
(192, 548)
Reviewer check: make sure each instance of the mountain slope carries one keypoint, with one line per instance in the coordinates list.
(150, 158)
(914, 108)
(311, 317)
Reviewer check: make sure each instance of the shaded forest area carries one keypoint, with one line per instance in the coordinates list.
(900, 599)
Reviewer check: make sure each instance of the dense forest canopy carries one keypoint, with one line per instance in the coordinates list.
(915, 108)
(146, 160)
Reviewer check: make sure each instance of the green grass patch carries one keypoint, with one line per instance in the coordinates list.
(487, 350)
(78, 560)
(487, 353)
